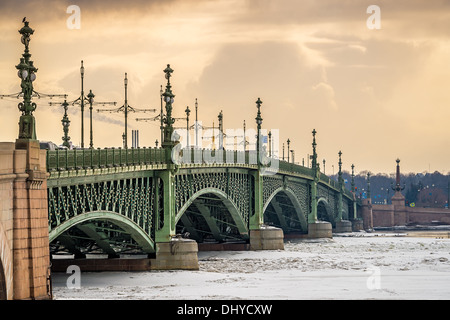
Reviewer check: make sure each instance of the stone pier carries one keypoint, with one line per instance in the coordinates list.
(24, 218)
(320, 229)
(267, 238)
(178, 254)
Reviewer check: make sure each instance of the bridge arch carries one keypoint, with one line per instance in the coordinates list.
(127, 225)
(283, 209)
(324, 211)
(211, 212)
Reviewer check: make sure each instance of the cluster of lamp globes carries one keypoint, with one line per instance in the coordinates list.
(23, 73)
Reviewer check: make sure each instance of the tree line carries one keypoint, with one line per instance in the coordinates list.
(420, 189)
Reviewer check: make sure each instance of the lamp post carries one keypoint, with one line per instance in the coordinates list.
(288, 143)
(168, 97)
(353, 179)
(270, 143)
(220, 117)
(161, 115)
(125, 109)
(188, 112)
(65, 123)
(27, 74)
(196, 123)
(90, 97)
(323, 166)
(82, 98)
(245, 139)
(258, 123)
(314, 155)
(125, 81)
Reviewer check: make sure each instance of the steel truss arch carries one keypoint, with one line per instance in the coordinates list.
(301, 216)
(226, 201)
(140, 236)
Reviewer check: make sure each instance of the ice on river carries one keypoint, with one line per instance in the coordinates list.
(360, 266)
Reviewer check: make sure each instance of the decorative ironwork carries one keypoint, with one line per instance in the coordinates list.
(132, 198)
(237, 186)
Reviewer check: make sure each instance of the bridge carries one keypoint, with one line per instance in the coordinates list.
(159, 203)
(128, 200)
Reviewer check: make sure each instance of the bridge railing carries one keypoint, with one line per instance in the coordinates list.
(211, 156)
(59, 160)
(305, 171)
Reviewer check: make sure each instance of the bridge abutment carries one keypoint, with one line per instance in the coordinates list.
(23, 169)
(367, 216)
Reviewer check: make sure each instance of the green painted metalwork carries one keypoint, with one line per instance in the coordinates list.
(153, 200)
(67, 160)
(142, 238)
(132, 199)
(27, 74)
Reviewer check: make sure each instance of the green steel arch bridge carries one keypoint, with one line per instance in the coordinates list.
(120, 201)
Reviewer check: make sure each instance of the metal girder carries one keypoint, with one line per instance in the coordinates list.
(206, 213)
(100, 238)
(70, 245)
(279, 212)
(188, 225)
(130, 227)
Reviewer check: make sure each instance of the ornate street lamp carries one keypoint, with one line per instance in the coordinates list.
(340, 180)
(168, 98)
(161, 115)
(314, 155)
(270, 143)
(220, 117)
(288, 143)
(27, 74)
(196, 123)
(82, 98)
(65, 123)
(258, 123)
(188, 112)
(90, 97)
(353, 179)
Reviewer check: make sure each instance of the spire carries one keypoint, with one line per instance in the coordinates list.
(398, 187)
(398, 199)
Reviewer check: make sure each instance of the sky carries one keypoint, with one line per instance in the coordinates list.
(374, 94)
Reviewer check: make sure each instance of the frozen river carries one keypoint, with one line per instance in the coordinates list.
(356, 266)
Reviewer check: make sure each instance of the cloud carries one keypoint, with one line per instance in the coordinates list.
(326, 91)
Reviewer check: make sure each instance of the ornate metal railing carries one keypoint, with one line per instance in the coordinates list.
(60, 160)
(63, 160)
